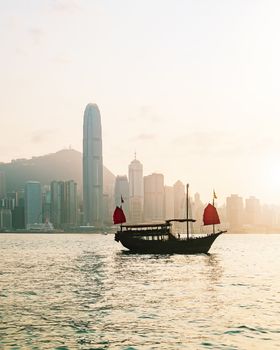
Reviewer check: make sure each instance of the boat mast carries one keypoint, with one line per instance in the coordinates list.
(214, 195)
(187, 210)
(121, 208)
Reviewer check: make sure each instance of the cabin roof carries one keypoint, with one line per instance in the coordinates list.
(159, 225)
(180, 220)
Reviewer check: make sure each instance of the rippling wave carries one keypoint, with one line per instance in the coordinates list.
(84, 292)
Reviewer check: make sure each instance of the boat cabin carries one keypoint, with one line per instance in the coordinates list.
(154, 231)
(158, 231)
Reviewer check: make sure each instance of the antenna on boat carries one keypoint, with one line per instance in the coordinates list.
(187, 210)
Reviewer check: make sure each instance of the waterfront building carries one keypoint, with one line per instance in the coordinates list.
(46, 204)
(235, 212)
(136, 193)
(198, 209)
(154, 198)
(92, 167)
(179, 200)
(18, 220)
(169, 202)
(252, 215)
(2, 185)
(71, 203)
(271, 217)
(64, 203)
(57, 197)
(33, 203)
(5, 219)
(109, 180)
(17, 208)
(122, 193)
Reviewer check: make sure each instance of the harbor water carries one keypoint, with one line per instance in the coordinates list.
(84, 291)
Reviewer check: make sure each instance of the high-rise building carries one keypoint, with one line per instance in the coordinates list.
(270, 216)
(154, 198)
(71, 203)
(122, 191)
(235, 211)
(18, 221)
(5, 218)
(252, 211)
(33, 203)
(179, 200)
(136, 194)
(57, 197)
(46, 204)
(198, 209)
(169, 202)
(18, 217)
(2, 185)
(64, 203)
(92, 167)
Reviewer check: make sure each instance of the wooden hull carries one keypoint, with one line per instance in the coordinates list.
(193, 245)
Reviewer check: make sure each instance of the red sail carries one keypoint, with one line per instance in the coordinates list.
(118, 216)
(210, 216)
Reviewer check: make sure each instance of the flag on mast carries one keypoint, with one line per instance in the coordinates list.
(214, 195)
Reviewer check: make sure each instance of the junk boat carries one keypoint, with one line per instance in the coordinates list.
(158, 238)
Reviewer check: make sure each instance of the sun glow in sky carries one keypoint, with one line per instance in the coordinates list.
(192, 86)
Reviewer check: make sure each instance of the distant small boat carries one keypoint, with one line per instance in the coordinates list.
(159, 239)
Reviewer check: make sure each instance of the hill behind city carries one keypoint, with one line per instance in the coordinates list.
(63, 165)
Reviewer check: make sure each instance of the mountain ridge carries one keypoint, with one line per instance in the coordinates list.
(63, 165)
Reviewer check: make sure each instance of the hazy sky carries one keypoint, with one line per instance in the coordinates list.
(191, 85)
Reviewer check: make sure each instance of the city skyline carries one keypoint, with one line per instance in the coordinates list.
(58, 204)
(194, 91)
(221, 200)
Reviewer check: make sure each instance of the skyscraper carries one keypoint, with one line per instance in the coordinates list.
(33, 203)
(71, 203)
(168, 202)
(235, 211)
(252, 211)
(179, 200)
(64, 203)
(136, 193)
(92, 167)
(57, 196)
(154, 197)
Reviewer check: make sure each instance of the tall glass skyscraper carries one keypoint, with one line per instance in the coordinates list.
(92, 167)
